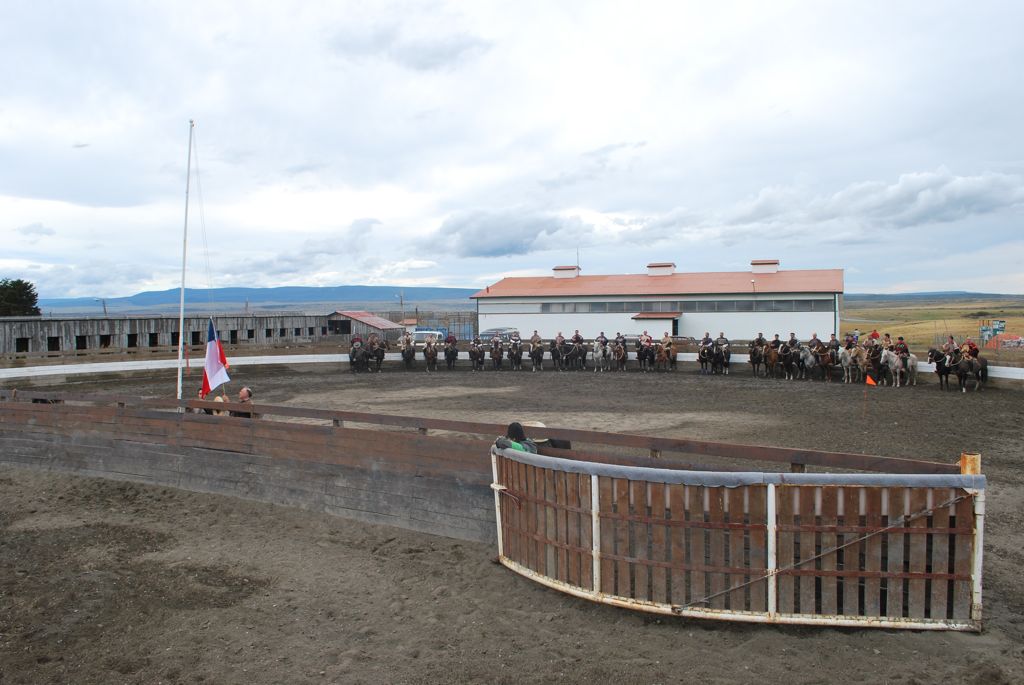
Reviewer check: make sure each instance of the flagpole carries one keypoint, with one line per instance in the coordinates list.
(184, 253)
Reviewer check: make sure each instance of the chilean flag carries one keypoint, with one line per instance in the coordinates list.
(215, 369)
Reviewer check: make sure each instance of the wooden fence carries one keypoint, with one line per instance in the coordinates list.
(844, 549)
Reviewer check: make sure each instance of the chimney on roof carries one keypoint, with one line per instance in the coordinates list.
(566, 271)
(661, 269)
(764, 266)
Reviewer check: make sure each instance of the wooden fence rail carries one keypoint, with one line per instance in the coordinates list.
(845, 549)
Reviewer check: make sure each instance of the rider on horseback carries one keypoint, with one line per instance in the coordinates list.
(776, 343)
(576, 338)
(357, 341)
(886, 342)
(706, 340)
(406, 340)
(666, 341)
(833, 348)
(814, 343)
(514, 339)
(559, 340)
(793, 343)
(969, 348)
(620, 339)
(759, 341)
(722, 341)
(902, 351)
(601, 339)
(535, 339)
(451, 340)
(645, 340)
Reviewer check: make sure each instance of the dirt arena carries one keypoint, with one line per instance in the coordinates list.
(111, 582)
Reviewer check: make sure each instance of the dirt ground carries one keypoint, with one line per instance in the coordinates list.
(110, 582)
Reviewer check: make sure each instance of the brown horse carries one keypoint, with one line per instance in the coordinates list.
(824, 358)
(620, 355)
(430, 356)
(771, 361)
(661, 357)
(476, 357)
(497, 354)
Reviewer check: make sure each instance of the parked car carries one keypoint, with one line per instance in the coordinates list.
(505, 334)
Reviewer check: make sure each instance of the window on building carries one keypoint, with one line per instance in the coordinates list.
(21, 345)
(233, 337)
(802, 305)
(726, 305)
(298, 332)
(53, 343)
(154, 339)
(174, 339)
(196, 339)
(133, 340)
(269, 333)
(706, 306)
(81, 342)
(822, 306)
(744, 305)
(105, 340)
(250, 334)
(312, 331)
(323, 330)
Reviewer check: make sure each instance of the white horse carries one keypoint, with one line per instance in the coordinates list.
(602, 356)
(895, 365)
(855, 361)
(808, 362)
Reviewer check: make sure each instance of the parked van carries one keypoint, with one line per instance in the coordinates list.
(419, 338)
(505, 334)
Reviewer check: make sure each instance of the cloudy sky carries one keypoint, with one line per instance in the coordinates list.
(453, 144)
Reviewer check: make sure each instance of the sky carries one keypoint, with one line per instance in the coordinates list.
(454, 144)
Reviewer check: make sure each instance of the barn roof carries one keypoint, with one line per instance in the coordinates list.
(710, 283)
(371, 320)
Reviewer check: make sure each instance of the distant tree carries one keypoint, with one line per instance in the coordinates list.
(18, 298)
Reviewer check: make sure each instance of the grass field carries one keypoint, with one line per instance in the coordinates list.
(923, 323)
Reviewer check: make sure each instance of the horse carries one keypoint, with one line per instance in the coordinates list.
(451, 354)
(720, 355)
(704, 355)
(497, 354)
(855, 360)
(966, 366)
(378, 350)
(662, 358)
(515, 355)
(409, 355)
(823, 357)
(620, 355)
(790, 358)
(756, 358)
(895, 364)
(537, 357)
(359, 359)
(602, 356)
(808, 360)
(574, 356)
(646, 356)
(556, 355)
(771, 361)
(875, 360)
(476, 357)
(430, 356)
(943, 366)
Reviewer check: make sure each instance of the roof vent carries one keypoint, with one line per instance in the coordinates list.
(566, 271)
(764, 266)
(661, 269)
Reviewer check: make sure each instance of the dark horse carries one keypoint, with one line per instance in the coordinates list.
(497, 354)
(378, 349)
(409, 356)
(704, 355)
(966, 366)
(556, 355)
(515, 355)
(451, 353)
(476, 357)
(720, 359)
(943, 367)
(574, 356)
(620, 355)
(359, 359)
(430, 356)
(756, 358)
(537, 356)
(646, 356)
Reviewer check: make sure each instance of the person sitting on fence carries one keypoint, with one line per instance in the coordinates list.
(244, 397)
(515, 438)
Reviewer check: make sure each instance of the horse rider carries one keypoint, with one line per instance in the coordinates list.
(406, 340)
(601, 339)
(576, 338)
(887, 342)
(969, 348)
(874, 334)
(833, 348)
(477, 342)
(451, 340)
(814, 343)
(495, 341)
(620, 339)
(666, 342)
(645, 339)
(706, 340)
(793, 343)
(357, 341)
(776, 343)
(849, 343)
(902, 351)
(514, 339)
(759, 341)
(949, 346)
(559, 340)
(535, 339)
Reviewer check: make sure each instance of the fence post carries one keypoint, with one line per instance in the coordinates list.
(773, 552)
(979, 544)
(497, 487)
(595, 532)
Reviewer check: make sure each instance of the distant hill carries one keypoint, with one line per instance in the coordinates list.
(937, 295)
(282, 298)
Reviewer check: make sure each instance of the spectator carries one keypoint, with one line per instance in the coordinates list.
(244, 397)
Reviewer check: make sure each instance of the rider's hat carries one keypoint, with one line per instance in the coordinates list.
(900, 338)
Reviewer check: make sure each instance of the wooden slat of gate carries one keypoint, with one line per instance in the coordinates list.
(873, 552)
(697, 558)
(916, 603)
(677, 546)
(544, 564)
(736, 600)
(940, 555)
(586, 534)
(551, 556)
(508, 509)
(572, 526)
(606, 487)
(852, 554)
(640, 534)
(528, 488)
(659, 575)
(716, 507)
(829, 581)
(624, 585)
(964, 547)
(807, 550)
(786, 549)
(757, 514)
(894, 595)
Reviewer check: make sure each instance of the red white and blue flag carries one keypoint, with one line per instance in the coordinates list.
(215, 369)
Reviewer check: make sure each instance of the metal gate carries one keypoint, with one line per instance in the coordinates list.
(895, 551)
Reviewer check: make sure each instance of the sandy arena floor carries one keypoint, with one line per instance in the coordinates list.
(111, 582)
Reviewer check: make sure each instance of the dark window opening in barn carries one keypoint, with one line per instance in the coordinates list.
(53, 343)
(21, 345)
(345, 327)
(105, 340)
(298, 332)
(675, 326)
(154, 339)
(323, 330)
(269, 333)
(196, 340)
(233, 337)
(250, 333)
(81, 342)
(133, 340)
(312, 331)
(281, 333)
(174, 339)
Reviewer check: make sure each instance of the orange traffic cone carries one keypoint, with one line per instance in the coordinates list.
(871, 381)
